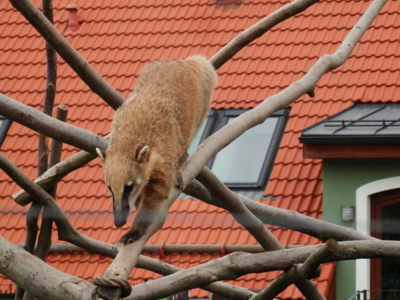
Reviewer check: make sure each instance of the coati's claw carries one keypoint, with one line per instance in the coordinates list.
(131, 236)
(179, 180)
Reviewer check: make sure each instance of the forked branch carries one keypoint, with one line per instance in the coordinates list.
(307, 270)
(304, 85)
(236, 264)
(68, 233)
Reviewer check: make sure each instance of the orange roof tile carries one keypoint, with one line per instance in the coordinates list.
(119, 37)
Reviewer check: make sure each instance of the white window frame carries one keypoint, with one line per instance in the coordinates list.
(363, 222)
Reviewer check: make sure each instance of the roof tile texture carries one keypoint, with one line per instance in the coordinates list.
(119, 37)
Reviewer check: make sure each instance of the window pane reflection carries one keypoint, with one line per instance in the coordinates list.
(242, 160)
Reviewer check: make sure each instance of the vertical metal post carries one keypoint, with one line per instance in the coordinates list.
(364, 294)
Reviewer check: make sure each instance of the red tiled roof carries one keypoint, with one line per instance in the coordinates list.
(119, 37)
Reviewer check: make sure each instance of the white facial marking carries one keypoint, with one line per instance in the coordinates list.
(129, 183)
(139, 180)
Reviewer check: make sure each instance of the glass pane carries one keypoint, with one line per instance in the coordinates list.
(196, 141)
(242, 160)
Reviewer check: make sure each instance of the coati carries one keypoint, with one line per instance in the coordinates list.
(150, 134)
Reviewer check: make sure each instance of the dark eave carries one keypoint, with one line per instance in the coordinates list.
(365, 130)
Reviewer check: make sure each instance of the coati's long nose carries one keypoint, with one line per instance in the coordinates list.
(120, 215)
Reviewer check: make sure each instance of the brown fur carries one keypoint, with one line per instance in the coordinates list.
(164, 112)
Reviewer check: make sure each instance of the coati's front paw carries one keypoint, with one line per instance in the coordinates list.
(131, 236)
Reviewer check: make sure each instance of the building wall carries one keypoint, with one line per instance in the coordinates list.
(341, 180)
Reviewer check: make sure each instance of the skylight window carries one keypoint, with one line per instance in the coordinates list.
(247, 161)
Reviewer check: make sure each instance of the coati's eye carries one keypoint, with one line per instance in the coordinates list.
(128, 187)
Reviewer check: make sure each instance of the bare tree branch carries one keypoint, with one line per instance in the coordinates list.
(44, 241)
(70, 234)
(56, 173)
(66, 231)
(304, 85)
(256, 116)
(258, 29)
(85, 71)
(36, 120)
(14, 259)
(237, 264)
(239, 211)
(245, 217)
(308, 270)
(49, 283)
(289, 219)
(239, 125)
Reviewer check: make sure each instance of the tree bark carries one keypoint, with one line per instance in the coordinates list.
(38, 278)
(233, 265)
(22, 267)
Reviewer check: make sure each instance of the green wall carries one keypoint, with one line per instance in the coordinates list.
(341, 178)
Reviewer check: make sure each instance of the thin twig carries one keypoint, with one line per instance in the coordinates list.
(258, 29)
(55, 174)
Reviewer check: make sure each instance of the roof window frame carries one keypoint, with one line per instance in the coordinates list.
(217, 118)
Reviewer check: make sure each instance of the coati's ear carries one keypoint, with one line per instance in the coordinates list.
(101, 154)
(142, 153)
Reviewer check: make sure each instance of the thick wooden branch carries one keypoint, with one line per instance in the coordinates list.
(245, 217)
(48, 283)
(308, 270)
(70, 234)
(304, 85)
(239, 211)
(294, 220)
(38, 121)
(85, 71)
(228, 267)
(256, 116)
(65, 229)
(258, 29)
(237, 264)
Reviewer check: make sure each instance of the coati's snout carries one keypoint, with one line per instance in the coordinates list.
(120, 214)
